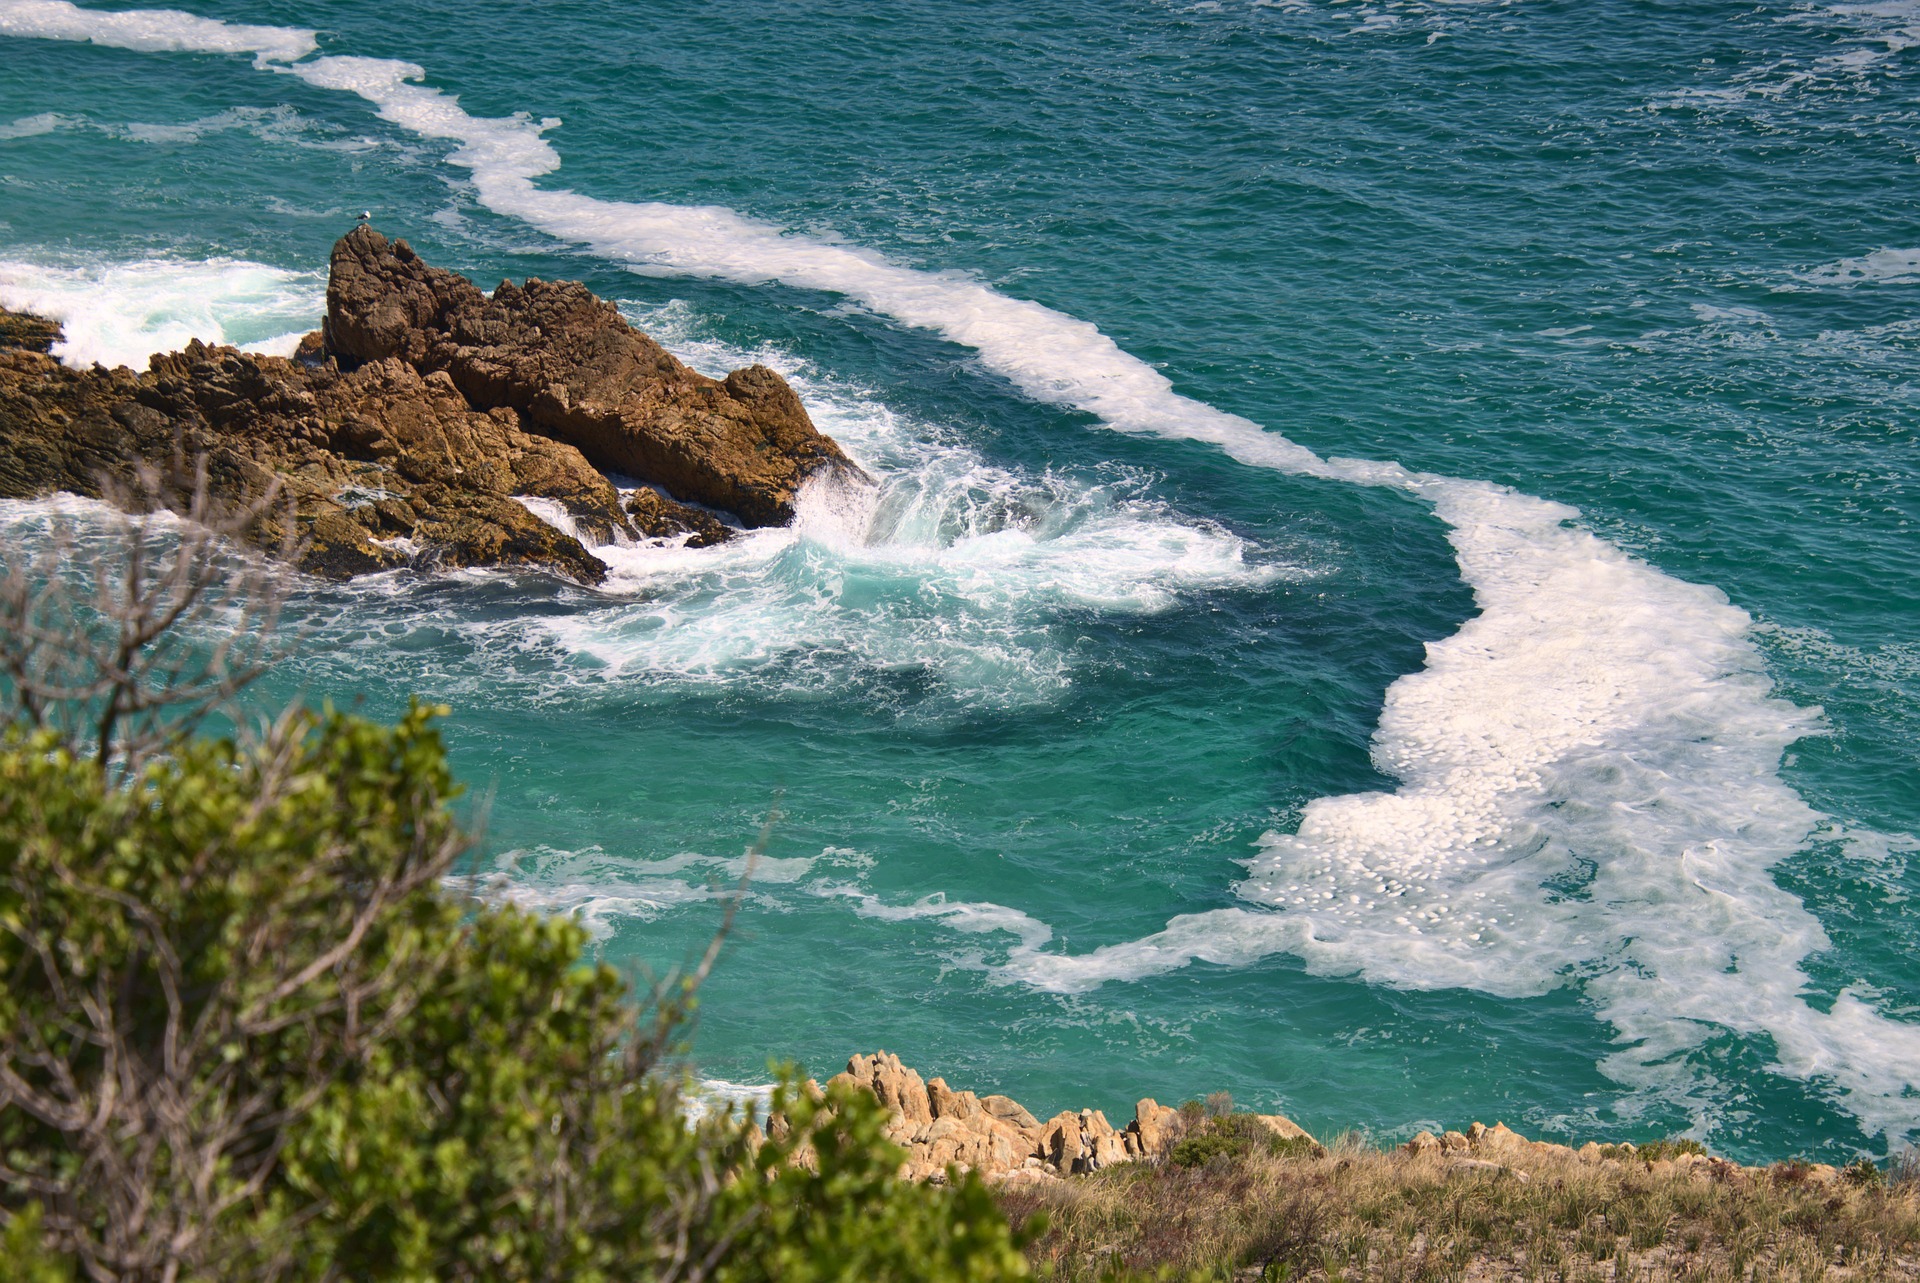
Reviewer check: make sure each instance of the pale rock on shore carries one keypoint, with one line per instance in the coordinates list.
(1500, 1148)
(941, 1128)
(996, 1137)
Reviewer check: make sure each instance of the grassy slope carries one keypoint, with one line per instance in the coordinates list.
(1357, 1213)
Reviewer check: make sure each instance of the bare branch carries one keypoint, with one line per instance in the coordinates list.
(123, 632)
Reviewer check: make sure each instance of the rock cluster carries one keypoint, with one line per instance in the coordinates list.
(572, 367)
(940, 1128)
(28, 333)
(994, 1136)
(1499, 1149)
(407, 429)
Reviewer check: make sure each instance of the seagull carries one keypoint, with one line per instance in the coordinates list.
(366, 216)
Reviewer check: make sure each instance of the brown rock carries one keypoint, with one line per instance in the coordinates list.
(381, 466)
(1286, 1129)
(27, 332)
(1423, 1143)
(404, 430)
(1062, 1146)
(658, 517)
(1497, 1137)
(573, 366)
(897, 1087)
(939, 1127)
(1009, 1111)
(1155, 1127)
(1105, 1146)
(948, 1103)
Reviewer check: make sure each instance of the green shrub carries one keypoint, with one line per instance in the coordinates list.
(1207, 1145)
(1231, 1136)
(1865, 1173)
(23, 1254)
(247, 1030)
(1293, 1146)
(1655, 1150)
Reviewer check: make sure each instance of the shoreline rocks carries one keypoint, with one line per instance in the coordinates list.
(995, 1136)
(409, 428)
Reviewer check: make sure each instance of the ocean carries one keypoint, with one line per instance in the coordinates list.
(1392, 584)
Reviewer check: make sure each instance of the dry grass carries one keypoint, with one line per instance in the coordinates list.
(1360, 1214)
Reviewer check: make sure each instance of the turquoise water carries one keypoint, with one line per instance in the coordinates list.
(1212, 695)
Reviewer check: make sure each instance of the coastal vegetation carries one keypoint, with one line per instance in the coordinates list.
(255, 1025)
(1357, 1212)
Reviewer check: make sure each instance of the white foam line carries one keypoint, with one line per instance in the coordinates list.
(1589, 767)
(151, 30)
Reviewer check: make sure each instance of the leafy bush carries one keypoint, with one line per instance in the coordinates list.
(1655, 1150)
(1209, 1145)
(1220, 1137)
(1865, 1173)
(247, 1030)
(1293, 1147)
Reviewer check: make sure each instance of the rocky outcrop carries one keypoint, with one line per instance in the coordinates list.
(571, 364)
(658, 517)
(380, 468)
(27, 333)
(944, 1130)
(1499, 1150)
(410, 428)
(994, 1136)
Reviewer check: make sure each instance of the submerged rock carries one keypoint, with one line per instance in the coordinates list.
(408, 429)
(658, 517)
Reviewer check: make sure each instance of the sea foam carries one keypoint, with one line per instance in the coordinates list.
(151, 30)
(121, 312)
(1883, 266)
(948, 571)
(1589, 768)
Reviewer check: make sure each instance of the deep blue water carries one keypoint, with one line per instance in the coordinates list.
(1116, 763)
